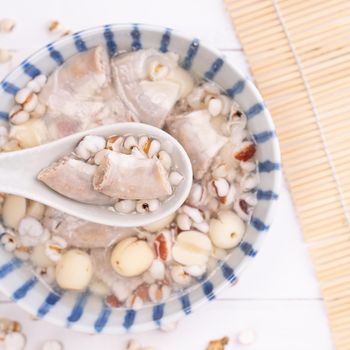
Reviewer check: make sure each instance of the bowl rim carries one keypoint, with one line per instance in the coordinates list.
(275, 176)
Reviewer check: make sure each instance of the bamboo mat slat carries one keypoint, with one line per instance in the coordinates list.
(299, 56)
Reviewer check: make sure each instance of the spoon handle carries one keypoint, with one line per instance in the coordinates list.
(18, 171)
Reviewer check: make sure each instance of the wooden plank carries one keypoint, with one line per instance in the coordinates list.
(301, 74)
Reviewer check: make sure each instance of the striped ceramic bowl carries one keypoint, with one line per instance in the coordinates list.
(86, 312)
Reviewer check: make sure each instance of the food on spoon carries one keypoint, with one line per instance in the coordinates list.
(73, 178)
(128, 174)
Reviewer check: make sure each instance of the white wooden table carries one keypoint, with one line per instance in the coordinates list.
(277, 296)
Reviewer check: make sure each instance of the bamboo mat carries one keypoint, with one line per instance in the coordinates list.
(299, 55)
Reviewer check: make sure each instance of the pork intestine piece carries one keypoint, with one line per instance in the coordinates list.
(73, 179)
(125, 176)
(83, 234)
(148, 101)
(198, 137)
(84, 74)
(79, 94)
(121, 286)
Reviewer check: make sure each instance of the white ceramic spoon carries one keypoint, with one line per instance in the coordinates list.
(19, 170)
